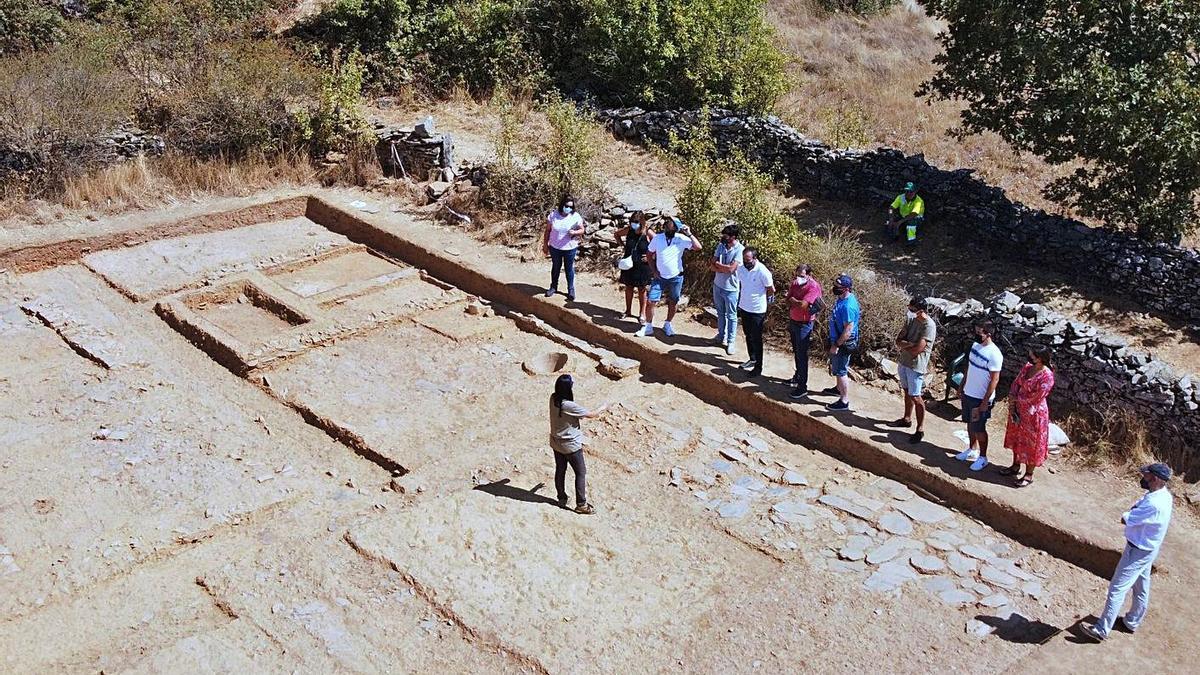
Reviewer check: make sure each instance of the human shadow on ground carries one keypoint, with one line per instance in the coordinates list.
(1019, 630)
(502, 488)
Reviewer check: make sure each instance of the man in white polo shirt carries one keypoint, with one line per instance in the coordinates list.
(757, 292)
(1145, 528)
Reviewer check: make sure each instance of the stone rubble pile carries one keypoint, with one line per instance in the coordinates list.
(1093, 370)
(418, 152)
(1160, 276)
(119, 145)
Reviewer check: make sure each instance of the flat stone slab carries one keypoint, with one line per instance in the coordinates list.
(892, 548)
(895, 523)
(956, 597)
(940, 544)
(977, 552)
(843, 504)
(961, 565)
(995, 600)
(938, 584)
(890, 576)
(924, 511)
(738, 509)
(794, 478)
(894, 489)
(994, 576)
(734, 455)
(927, 563)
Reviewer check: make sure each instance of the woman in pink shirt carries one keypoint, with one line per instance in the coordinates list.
(560, 241)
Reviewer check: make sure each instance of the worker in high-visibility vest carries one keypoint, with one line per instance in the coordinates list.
(907, 215)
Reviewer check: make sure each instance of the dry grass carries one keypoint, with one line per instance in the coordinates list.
(878, 63)
(149, 182)
(1113, 438)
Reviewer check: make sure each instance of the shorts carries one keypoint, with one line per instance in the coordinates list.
(839, 363)
(911, 381)
(673, 288)
(970, 403)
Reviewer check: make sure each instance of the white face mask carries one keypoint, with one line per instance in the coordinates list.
(801, 280)
(911, 315)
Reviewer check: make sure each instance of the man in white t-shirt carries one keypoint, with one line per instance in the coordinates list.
(666, 255)
(756, 293)
(1146, 525)
(978, 393)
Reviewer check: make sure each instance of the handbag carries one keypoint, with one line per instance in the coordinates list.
(624, 264)
(816, 306)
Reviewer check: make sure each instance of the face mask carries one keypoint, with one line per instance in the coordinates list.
(635, 226)
(567, 210)
(1145, 483)
(979, 338)
(911, 315)
(801, 280)
(750, 265)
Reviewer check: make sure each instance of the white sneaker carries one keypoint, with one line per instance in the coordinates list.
(978, 464)
(645, 331)
(731, 348)
(968, 455)
(668, 329)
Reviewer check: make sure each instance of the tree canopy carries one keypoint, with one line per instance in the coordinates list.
(1113, 83)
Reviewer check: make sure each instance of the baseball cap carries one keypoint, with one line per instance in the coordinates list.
(910, 187)
(844, 281)
(1158, 469)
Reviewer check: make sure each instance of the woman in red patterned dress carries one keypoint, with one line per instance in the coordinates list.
(1028, 429)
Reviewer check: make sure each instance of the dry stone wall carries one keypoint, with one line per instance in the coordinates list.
(1094, 371)
(1161, 276)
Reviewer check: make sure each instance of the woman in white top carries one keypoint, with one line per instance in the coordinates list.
(564, 227)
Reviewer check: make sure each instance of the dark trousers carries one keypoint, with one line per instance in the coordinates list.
(575, 459)
(752, 323)
(557, 259)
(801, 337)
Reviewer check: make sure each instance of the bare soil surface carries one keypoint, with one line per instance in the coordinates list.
(162, 513)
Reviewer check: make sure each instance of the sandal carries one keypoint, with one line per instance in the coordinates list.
(585, 509)
(1009, 471)
(1024, 482)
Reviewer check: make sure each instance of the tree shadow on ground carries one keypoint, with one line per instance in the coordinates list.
(503, 488)
(1019, 630)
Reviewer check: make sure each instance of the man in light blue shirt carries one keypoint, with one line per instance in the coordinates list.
(725, 262)
(843, 340)
(1145, 528)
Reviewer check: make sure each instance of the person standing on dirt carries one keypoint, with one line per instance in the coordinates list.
(566, 440)
(756, 293)
(666, 250)
(843, 340)
(906, 215)
(635, 238)
(1145, 528)
(915, 343)
(725, 263)
(804, 303)
(1028, 430)
(560, 241)
(978, 393)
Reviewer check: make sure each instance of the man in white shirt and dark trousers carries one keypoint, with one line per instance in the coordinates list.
(756, 293)
(978, 393)
(1145, 528)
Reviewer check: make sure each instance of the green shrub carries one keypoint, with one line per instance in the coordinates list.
(28, 24)
(565, 159)
(845, 125)
(864, 7)
(670, 53)
(383, 31)
(336, 121)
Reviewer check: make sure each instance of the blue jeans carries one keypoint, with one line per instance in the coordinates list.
(1133, 572)
(557, 258)
(801, 337)
(727, 316)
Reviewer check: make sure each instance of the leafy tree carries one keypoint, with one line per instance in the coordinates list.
(28, 24)
(1113, 83)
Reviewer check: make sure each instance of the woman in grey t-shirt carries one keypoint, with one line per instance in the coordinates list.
(566, 440)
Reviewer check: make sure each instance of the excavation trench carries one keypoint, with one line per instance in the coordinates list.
(779, 417)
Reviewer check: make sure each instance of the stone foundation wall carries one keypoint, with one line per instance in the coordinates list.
(1094, 371)
(1163, 277)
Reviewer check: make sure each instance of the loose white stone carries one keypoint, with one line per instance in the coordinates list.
(927, 563)
(895, 523)
(995, 600)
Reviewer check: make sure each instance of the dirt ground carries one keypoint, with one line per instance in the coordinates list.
(374, 493)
